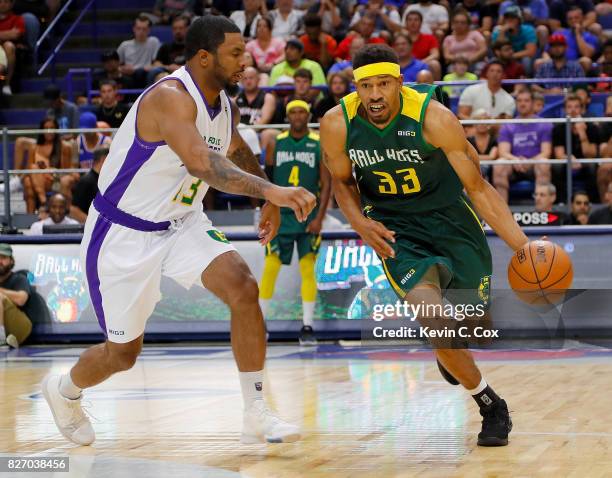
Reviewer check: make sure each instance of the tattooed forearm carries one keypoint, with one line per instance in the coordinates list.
(243, 157)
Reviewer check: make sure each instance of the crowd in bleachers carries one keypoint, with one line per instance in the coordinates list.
(305, 48)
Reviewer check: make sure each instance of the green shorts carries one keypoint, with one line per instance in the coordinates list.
(282, 245)
(451, 238)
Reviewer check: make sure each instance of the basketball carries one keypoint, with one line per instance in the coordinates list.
(540, 272)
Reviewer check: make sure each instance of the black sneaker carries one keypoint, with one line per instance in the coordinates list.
(496, 424)
(446, 374)
(307, 336)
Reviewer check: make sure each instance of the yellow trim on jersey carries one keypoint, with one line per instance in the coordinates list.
(397, 288)
(412, 103)
(474, 214)
(282, 135)
(314, 136)
(373, 69)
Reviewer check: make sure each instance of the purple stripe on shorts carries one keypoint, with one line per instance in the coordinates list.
(98, 235)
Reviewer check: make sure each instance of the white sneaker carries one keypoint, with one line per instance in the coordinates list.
(6, 90)
(68, 414)
(12, 341)
(261, 425)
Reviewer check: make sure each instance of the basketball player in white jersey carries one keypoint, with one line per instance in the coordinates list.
(147, 221)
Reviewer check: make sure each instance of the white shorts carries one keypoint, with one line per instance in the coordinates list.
(124, 266)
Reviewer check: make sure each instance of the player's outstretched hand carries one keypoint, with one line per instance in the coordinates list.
(268, 223)
(377, 236)
(299, 199)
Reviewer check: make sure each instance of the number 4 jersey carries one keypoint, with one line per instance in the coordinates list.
(297, 163)
(397, 171)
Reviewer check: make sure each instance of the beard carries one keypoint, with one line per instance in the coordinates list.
(5, 269)
(231, 89)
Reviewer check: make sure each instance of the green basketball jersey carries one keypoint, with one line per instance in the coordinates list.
(397, 171)
(297, 163)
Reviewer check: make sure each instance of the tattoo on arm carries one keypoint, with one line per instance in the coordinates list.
(244, 158)
(225, 176)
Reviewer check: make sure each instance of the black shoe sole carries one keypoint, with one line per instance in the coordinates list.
(492, 441)
(446, 374)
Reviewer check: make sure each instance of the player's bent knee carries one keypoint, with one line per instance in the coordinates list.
(248, 293)
(122, 357)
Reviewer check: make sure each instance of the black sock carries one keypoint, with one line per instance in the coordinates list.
(486, 397)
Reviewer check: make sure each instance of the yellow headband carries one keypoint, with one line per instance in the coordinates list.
(373, 69)
(297, 104)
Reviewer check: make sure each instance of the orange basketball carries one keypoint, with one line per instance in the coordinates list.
(540, 272)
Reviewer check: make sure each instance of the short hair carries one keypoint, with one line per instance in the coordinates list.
(143, 18)
(573, 97)
(538, 96)
(207, 33)
(404, 35)
(109, 82)
(549, 186)
(494, 61)
(526, 91)
(461, 59)
(312, 20)
(580, 192)
(417, 13)
(499, 44)
(99, 153)
(268, 20)
(573, 8)
(462, 12)
(303, 73)
(374, 53)
(182, 18)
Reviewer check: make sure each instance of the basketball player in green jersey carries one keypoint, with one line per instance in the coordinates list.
(412, 161)
(296, 160)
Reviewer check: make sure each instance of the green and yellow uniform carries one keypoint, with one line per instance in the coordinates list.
(296, 162)
(410, 187)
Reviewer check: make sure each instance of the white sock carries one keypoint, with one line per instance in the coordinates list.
(265, 305)
(308, 312)
(2, 334)
(251, 384)
(481, 386)
(67, 387)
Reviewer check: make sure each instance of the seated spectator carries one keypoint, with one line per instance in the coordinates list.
(165, 11)
(581, 44)
(249, 60)
(584, 142)
(331, 17)
(47, 152)
(294, 59)
(338, 87)
(110, 110)
(171, 56)
(460, 73)
(559, 9)
(481, 16)
(409, 66)
(604, 171)
(318, 46)
(538, 103)
(256, 106)
(604, 68)
(365, 28)
(303, 91)
(12, 31)
(489, 95)
(87, 143)
(138, 54)
(266, 50)
(590, 110)
(287, 20)
(545, 196)
(16, 306)
(111, 70)
(580, 209)
(521, 36)
(346, 66)
(513, 69)
(484, 142)
(604, 214)
(386, 17)
(464, 42)
(426, 77)
(86, 188)
(558, 66)
(535, 12)
(246, 19)
(519, 142)
(58, 214)
(425, 47)
(65, 112)
(435, 17)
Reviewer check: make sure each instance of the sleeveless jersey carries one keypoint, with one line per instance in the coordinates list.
(250, 112)
(86, 155)
(148, 179)
(397, 171)
(297, 163)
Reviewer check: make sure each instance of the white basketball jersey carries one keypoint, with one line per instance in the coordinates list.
(148, 180)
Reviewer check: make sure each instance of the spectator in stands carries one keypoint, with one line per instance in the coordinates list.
(171, 56)
(318, 46)
(247, 18)
(165, 11)
(48, 151)
(581, 208)
(435, 17)
(386, 17)
(584, 142)
(581, 44)
(604, 214)
(481, 15)
(331, 17)
(425, 47)
(426, 77)
(512, 69)
(484, 142)
(604, 171)
(12, 31)
(460, 73)
(346, 66)
(110, 110)
(256, 106)
(604, 68)
(15, 303)
(559, 9)
(65, 112)
(590, 110)
(294, 59)
(286, 19)
(58, 215)
(138, 54)
(365, 28)
(545, 196)
(489, 95)
(534, 11)
(538, 103)
(266, 50)
(464, 42)
(409, 66)
(87, 143)
(338, 87)
(111, 70)
(520, 142)
(522, 37)
(86, 188)
(557, 66)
